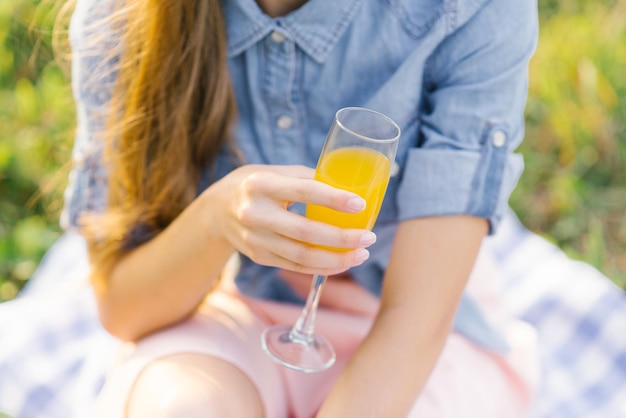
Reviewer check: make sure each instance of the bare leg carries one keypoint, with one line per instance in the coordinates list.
(193, 385)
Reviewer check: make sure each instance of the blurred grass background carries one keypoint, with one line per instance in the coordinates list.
(573, 191)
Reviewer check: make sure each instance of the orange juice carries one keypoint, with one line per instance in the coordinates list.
(359, 170)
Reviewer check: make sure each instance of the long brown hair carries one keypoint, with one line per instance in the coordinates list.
(169, 115)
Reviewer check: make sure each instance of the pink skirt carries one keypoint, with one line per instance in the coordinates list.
(467, 381)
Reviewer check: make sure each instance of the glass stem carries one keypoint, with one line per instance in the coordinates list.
(305, 326)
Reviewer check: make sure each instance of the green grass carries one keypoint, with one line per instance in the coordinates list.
(36, 125)
(573, 190)
(574, 186)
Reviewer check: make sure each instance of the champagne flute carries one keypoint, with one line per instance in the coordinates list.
(357, 156)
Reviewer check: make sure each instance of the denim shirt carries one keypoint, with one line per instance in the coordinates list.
(451, 73)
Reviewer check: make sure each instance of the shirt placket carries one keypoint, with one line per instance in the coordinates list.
(278, 87)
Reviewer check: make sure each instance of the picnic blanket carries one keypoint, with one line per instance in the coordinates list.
(54, 354)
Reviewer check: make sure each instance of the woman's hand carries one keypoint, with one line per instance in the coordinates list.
(248, 210)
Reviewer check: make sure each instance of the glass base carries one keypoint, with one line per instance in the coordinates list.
(309, 355)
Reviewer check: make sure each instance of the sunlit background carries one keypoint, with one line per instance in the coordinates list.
(573, 191)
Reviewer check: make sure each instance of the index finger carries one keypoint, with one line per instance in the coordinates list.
(307, 190)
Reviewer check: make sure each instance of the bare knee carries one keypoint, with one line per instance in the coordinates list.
(193, 385)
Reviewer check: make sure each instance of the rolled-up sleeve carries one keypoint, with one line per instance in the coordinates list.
(472, 118)
(93, 75)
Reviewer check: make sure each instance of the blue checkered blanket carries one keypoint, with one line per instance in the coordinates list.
(53, 352)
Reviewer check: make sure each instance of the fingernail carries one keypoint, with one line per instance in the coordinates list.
(367, 239)
(361, 255)
(356, 204)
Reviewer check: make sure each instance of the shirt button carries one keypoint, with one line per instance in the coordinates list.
(394, 169)
(284, 122)
(498, 139)
(277, 37)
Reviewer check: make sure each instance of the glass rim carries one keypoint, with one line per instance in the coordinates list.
(366, 138)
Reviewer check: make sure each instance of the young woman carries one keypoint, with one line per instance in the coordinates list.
(170, 181)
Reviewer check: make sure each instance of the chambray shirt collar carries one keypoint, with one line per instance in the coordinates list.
(315, 27)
